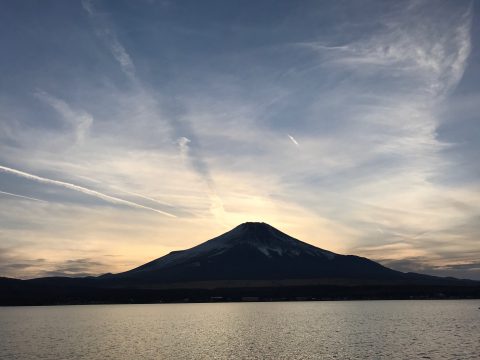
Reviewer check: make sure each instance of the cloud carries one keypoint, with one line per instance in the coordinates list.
(461, 269)
(12, 265)
(183, 146)
(82, 189)
(109, 37)
(217, 208)
(293, 140)
(362, 97)
(23, 197)
(190, 152)
(80, 121)
(181, 129)
(430, 49)
(76, 268)
(147, 198)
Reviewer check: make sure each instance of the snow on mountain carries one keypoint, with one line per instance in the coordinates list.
(267, 240)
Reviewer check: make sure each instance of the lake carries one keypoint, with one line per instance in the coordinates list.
(277, 330)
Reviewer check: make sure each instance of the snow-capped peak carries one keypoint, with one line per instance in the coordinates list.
(266, 239)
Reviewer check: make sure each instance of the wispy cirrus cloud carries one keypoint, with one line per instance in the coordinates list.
(97, 194)
(181, 129)
(108, 35)
(79, 121)
(198, 116)
(22, 196)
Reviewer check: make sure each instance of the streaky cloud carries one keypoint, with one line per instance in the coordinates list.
(146, 197)
(23, 196)
(181, 129)
(183, 145)
(294, 141)
(132, 193)
(80, 121)
(97, 194)
(110, 39)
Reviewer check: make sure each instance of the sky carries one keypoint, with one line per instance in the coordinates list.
(129, 129)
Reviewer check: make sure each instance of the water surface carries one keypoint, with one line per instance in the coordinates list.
(279, 330)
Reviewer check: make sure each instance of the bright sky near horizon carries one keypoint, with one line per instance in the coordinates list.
(129, 129)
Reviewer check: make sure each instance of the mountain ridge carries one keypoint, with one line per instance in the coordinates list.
(257, 251)
(252, 233)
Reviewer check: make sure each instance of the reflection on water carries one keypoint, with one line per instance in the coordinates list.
(295, 330)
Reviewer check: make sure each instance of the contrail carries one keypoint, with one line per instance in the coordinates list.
(22, 196)
(117, 188)
(293, 139)
(82, 189)
(145, 197)
(181, 129)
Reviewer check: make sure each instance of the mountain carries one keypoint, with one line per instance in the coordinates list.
(252, 261)
(256, 251)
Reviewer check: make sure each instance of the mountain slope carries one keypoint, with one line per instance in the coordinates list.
(257, 251)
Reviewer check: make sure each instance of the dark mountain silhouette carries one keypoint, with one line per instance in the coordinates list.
(253, 259)
(256, 251)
